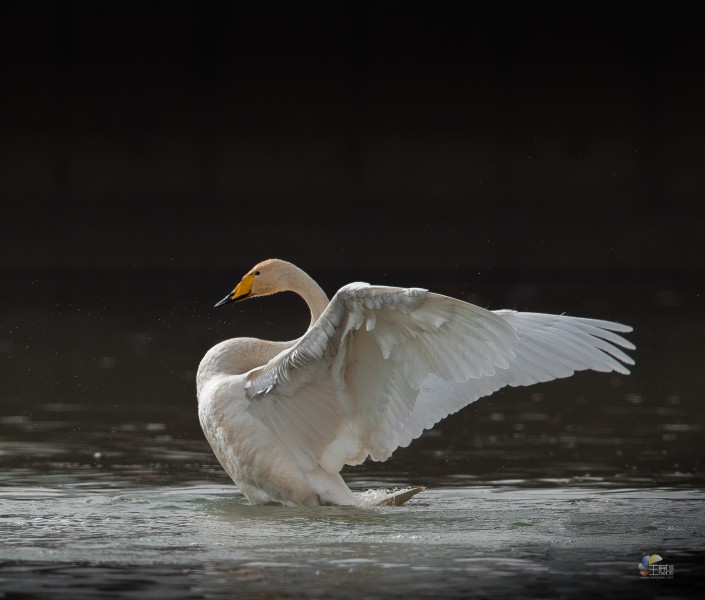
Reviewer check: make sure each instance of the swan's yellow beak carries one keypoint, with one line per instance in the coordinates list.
(242, 290)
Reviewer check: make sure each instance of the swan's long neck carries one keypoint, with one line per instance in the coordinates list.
(302, 284)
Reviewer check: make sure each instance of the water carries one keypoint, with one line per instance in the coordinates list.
(108, 489)
(204, 541)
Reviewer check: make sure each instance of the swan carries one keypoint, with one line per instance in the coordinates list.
(376, 367)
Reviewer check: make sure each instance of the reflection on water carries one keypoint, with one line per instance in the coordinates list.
(108, 489)
(203, 541)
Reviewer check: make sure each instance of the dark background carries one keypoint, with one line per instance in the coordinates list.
(363, 138)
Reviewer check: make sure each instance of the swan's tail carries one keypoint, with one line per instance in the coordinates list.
(383, 497)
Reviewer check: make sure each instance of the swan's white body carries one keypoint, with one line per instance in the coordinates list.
(376, 367)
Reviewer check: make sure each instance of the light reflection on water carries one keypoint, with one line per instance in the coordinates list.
(108, 489)
(444, 543)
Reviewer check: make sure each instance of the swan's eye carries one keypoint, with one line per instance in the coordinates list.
(256, 272)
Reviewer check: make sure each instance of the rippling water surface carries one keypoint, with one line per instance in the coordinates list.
(205, 541)
(108, 489)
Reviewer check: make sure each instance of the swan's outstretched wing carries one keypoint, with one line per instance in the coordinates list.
(382, 364)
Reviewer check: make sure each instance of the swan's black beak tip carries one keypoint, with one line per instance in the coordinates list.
(227, 300)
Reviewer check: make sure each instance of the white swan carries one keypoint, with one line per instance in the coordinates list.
(376, 367)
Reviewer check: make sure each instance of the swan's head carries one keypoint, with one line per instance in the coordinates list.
(265, 278)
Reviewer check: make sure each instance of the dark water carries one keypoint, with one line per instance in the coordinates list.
(109, 490)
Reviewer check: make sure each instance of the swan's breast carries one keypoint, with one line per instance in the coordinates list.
(236, 356)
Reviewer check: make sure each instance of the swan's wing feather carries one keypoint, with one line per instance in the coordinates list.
(547, 347)
(383, 364)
